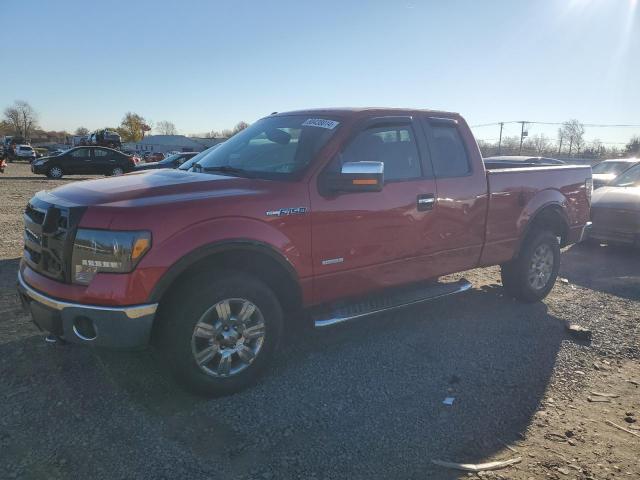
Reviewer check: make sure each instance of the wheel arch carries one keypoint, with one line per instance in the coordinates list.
(254, 257)
(550, 216)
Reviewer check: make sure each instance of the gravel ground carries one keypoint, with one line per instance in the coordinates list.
(362, 400)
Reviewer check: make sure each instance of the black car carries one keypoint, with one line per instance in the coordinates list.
(84, 161)
(172, 161)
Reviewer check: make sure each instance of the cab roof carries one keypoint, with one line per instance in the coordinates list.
(354, 112)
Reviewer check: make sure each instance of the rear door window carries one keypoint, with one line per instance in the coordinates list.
(448, 154)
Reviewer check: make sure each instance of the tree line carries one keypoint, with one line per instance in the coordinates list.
(570, 141)
(21, 120)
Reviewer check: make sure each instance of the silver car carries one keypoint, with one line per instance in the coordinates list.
(615, 210)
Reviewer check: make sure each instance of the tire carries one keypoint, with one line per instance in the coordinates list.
(532, 274)
(229, 360)
(55, 172)
(116, 171)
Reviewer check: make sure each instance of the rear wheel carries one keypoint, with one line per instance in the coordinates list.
(220, 332)
(55, 172)
(531, 276)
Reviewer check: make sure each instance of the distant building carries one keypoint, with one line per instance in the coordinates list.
(209, 142)
(171, 143)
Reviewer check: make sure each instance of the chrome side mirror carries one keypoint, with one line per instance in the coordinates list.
(360, 177)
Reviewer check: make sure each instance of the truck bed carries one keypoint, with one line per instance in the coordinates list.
(517, 194)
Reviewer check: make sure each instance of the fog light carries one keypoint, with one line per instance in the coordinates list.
(84, 329)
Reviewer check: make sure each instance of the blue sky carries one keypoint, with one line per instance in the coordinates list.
(206, 65)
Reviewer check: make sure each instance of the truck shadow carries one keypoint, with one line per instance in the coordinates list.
(608, 269)
(374, 386)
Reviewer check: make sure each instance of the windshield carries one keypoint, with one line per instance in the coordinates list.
(275, 147)
(170, 158)
(630, 178)
(615, 168)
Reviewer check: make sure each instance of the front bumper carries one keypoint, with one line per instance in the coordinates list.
(114, 327)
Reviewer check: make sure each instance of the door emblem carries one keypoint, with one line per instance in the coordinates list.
(287, 211)
(332, 261)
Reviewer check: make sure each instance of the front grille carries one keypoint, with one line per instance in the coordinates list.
(35, 215)
(48, 238)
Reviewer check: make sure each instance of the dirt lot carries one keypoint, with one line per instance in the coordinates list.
(359, 401)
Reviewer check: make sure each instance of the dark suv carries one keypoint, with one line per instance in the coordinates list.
(84, 161)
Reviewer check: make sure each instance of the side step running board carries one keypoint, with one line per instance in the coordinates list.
(383, 302)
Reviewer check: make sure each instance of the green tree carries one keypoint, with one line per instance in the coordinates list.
(133, 127)
(81, 131)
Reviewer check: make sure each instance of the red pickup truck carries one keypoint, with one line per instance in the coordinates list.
(328, 215)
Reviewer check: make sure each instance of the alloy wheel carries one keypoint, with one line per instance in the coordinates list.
(228, 337)
(541, 267)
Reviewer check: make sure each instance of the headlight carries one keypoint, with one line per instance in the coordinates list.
(106, 251)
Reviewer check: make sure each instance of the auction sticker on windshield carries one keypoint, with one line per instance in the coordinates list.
(320, 122)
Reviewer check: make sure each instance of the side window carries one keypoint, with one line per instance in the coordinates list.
(448, 154)
(100, 153)
(393, 146)
(80, 153)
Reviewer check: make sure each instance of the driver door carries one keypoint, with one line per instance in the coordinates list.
(367, 241)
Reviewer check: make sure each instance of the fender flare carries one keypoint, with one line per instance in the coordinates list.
(558, 210)
(204, 251)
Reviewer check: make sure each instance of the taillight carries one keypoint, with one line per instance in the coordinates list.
(588, 185)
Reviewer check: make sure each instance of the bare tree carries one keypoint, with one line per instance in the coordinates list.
(510, 145)
(633, 147)
(239, 127)
(540, 143)
(81, 131)
(22, 118)
(165, 127)
(573, 131)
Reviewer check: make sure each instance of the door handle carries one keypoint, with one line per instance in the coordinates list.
(426, 202)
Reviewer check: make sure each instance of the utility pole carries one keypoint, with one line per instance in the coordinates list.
(500, 140)
(521, 137)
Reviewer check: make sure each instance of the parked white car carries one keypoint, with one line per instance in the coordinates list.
(26, 151)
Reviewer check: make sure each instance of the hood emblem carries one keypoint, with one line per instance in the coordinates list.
(287, 211)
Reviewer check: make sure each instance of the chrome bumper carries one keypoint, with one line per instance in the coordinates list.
(584, 234)
(116, 327)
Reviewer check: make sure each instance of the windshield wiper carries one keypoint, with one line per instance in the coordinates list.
(239, 172)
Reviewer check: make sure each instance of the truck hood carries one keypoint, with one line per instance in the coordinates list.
(623, 198)
(153, 187)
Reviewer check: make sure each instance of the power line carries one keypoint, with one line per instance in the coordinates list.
(593, 125)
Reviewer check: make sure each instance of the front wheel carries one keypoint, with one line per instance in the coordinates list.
(220, 331)
(531, 276)
(116, 171)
